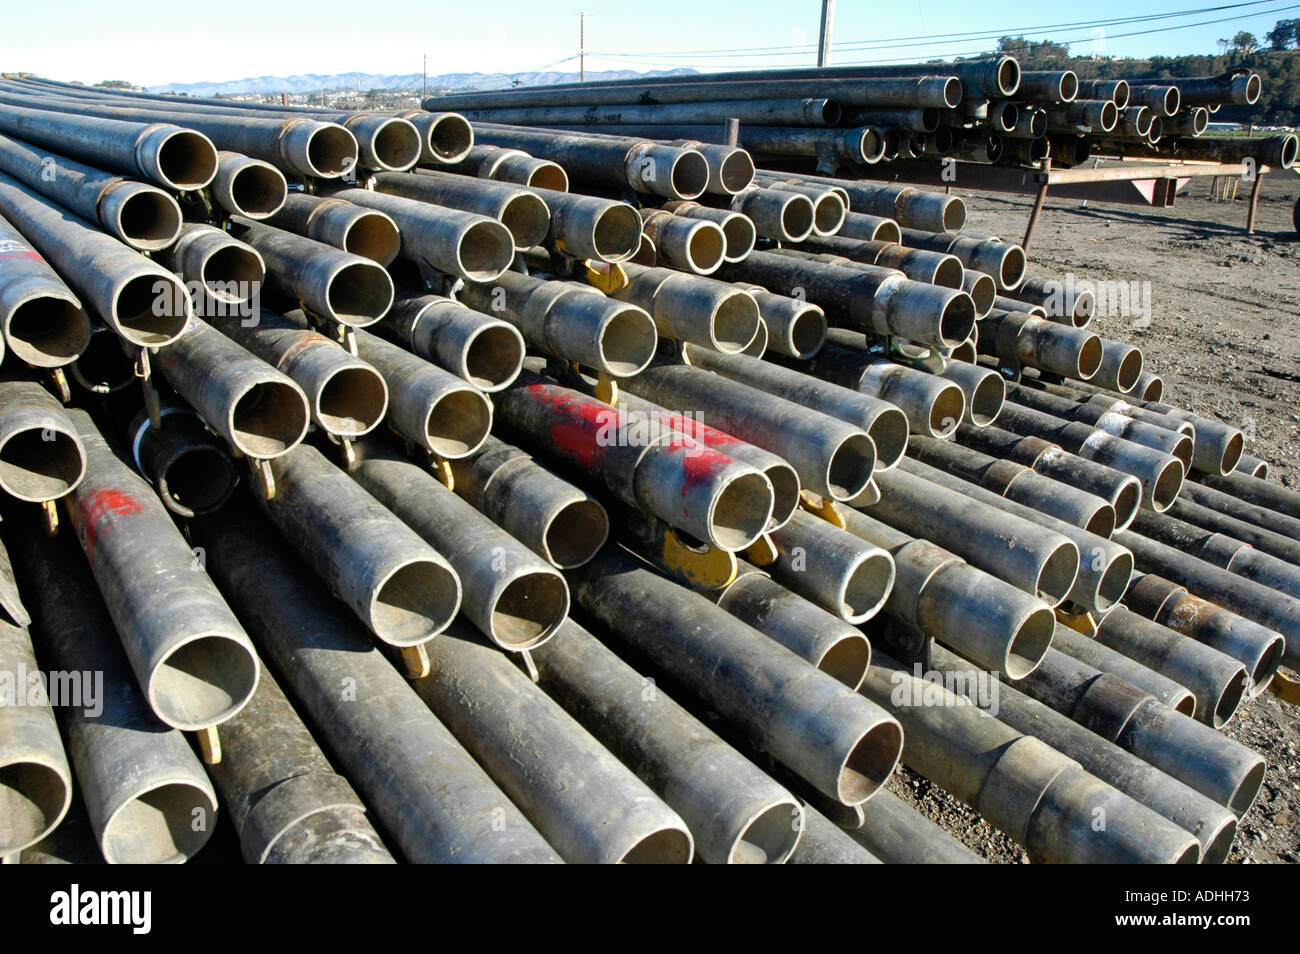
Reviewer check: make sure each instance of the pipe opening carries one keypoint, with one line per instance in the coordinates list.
(669, 846)
(847, 660)
(451, 137)
(769, 838)
(957, 321)
(735, 322)
(529, 609)
(1289, 150)
(828, 214)
(1121, 94)
(797, 218)
(617, 232)
(888, 231)
(1101, 521)
(352, 402)
(331, 151)
(49, 332)
(1067, 89)
(258, 191)
(627, 342)
(39, 464)
(986, 401)
(889, 432)
(549, 175)
(870, 763)
(415, 602)
(527, 218)
(1058, 574)
(1254, 87)
(953, 90)
(1173, 99)
(867, 587)
(808, 332)
(1114, 581)
(689, 174)
(1084, 303)
(1012, 267)
(1029, 643)
(1232, 452)
(151, 309)
(954, 215)
(965, 352)
(1216, 852)
(737, 171)
(1186, 704)
(948, 273)
(1190, 855)
(485, 251)
(1233, 693)
(830, 112)
(850, 467)
(198, 481)
(1089, 358)
(575, 533)
(188, 160)
(1130, 366)
(32, 797)
(741, 512)
(705, 248)
(785, 492)
(1267, 664)
(232, 273)
(740, 235)
(494, 357)
(1183, 449)
(104, 366)
(373, 235)
(983, 290)
(156, 827)
(203, 681)
(396, 144)
(150, 220)
(947, 411)
(359, 293)
(458, 423)
(268, 419)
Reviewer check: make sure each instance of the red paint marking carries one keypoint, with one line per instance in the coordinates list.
(21, 255)
(576, 422)
(98, 512)
(709, 436)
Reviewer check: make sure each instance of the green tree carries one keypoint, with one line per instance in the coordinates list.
(1245, 42)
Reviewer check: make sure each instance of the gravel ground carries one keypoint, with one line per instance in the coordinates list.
(1223, 330)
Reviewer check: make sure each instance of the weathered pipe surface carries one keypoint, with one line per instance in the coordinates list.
(1071, 306)
(526, 214)
(833, 458)
(738, 230)
(448, 137)
(800, 625)
(338, 285)
(41, 457)
(884, 422)
(559, 522)
(287, 803)
(189, 653)
(1105, 567)
(794, 327)
(898, 834)
(35, 780)
(514, 598)
(337, 222)
(1255, 601)
(512, 165)
(1121, 710)
(825, 843)
(485, 351)
(1161, 438)
(693, 308)
(42, 320)
(1252, 466)
(1238, 509)
(1088, 650)
(427, 793)
(140, 300)
(432, 408)
(736, 813)
(190, 468)
(1034, 558)
(1122, 491)
(147, 797)
(1257, 647)
(644, 462)
(1255, 491)
(261, 411)
(399, 586)
(938, 594)
(806, 719)
(1005, 261)
(587, 226)
(143, 216)
(839, 571)
(249, 187)
(692, 245)
(225, 269)
(1044, 800)
(583, 800)
(1080, 688)
(1018, 338)
(776, 214)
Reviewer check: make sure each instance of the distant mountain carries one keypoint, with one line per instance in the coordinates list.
(313, 82)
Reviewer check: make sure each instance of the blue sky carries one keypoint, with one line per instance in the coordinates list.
(159, 43)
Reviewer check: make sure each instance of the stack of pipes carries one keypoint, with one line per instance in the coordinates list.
(373, 436)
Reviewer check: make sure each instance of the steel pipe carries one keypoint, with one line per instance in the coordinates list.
(364, 232)
(486, 352)
(525, 214)
(776, 213)
(738, 230)
(43, 322)
(691, 245)
(693, 308)
(189, 467)
(249, 187)
(224, 272)
(41, 457)
(511, 165)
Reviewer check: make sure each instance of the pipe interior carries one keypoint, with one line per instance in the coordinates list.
(784, 482)
(360, 293)
(232, 273)
(332, 151)
(1101, 522)
(668, 846)
(575, 533)
(1230, 699)
(867, 587)
(486, 250)
(1084, 303)
(828, 214)
(150, 219)
(1115, 580)
(1089, 358)
(416, 601)
(1130, 366)
(627, 341)
(198, 480)
(373, 235)
(738, 168)
(958, 319)
(37, 467)
(1029, 643)
(1267, 663)
(889, 432)
(494, 357)
(188, 160)
(458, 422)
(1183, 449)
(48, 331)
(451, 137)
(987, 399)
(808, 332)
(149, 317)
(527, 218)
(797, 218)
(689, 174)
(549, 175)
(735, 322)
(947, 410)
(1232, 452)
(1013, 267)
(705, 247)
(1058, 574)
(741, 511)
(850, 467)
(769, 838)
(1068, 90)
(104, 365)
(617, 232)
(352, 402)
(870, 763)
(397, 144)
(983, 291)
(203, 681)
(949, 273)
(157, 826)
(1127, 500)
(268, 419)
(32, 796)
(529, 609)
(740, 235)
(258, 191)
(1216, 852)
(847, 660)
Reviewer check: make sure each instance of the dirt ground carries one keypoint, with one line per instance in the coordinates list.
(1224, 333)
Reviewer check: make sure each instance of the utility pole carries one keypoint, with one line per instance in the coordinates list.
(824, 42)
(582, 44)
(424, 83)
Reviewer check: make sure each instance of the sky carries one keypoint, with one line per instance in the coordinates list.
(150, 44)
